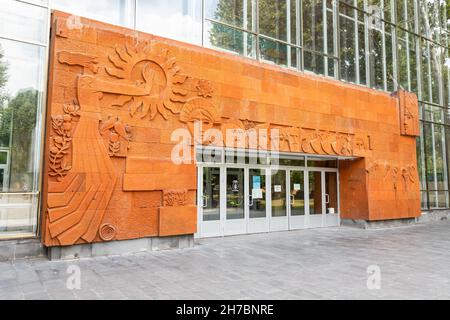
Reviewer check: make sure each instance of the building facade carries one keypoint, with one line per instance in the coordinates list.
(127, 119)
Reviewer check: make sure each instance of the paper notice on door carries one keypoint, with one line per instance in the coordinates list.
(257, 194)
(277, 188)
(297, 186)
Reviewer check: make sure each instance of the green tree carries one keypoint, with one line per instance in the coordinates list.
(3, 77)
(19, 122)
(272, 23)
(221, 36)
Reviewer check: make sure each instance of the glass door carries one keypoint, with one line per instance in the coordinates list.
(331, 199)
(257, 201)
(279, 216)
(315, 199)
(235, 222)
(297, 210)
(209, 202)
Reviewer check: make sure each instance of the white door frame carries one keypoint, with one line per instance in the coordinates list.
(207, 229)
(332, 220)
(279, 223)
(297, 222)
(219, 228)
(257, 225)
(237, 226)
(319, 220)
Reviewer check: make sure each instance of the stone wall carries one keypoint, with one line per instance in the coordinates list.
(116, 96)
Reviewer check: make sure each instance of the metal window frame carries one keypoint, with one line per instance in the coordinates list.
(38, 156)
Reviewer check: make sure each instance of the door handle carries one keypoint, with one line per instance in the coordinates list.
(327, 198)
(205, 201)
(292, 199)
(250, 201)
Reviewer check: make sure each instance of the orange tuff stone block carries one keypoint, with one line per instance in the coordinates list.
(110, 118)
(151, 182)
(177, 220)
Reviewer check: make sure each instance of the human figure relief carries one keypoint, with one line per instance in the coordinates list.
(145, 80)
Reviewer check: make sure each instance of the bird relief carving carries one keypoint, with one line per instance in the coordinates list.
(117, 136)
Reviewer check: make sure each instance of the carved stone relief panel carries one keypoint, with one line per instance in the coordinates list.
(409, 113)
(117, 135)
(175, 198)
(128, 95)
(60, 146)
(394, 174)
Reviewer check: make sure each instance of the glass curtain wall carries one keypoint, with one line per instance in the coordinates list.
(383, 44)
(24, 34)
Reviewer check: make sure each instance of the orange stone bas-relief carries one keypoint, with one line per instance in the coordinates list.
(116, 97)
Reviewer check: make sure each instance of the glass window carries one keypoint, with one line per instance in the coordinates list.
(238, 13)
(273, 19)
(4, 155)
(436, 162)
(18, 214)
(322, 162)
(377, 62)
(209, 155)
(111, 11)
(405, 14)
(299, 162)
(278, 21)
(23, 21)
(20, 108)
(229, 39)
(431, 26)
(318, 36)
(348, 46)
(174, 19)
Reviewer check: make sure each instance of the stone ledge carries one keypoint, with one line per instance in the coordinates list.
(382, 224)
(11, 250)
(120, 247)
(425, 217)
(434, 215)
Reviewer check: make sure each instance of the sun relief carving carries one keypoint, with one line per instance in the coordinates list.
(155, 73)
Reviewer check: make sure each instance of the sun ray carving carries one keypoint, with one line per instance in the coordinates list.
(144, 65)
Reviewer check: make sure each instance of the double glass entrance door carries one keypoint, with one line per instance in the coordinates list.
(239, 200)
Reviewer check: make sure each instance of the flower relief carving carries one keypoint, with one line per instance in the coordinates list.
(204, 89)
(117, 135)
(61, 140)
(173, 198)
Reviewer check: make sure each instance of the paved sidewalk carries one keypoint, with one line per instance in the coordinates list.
(310, 264)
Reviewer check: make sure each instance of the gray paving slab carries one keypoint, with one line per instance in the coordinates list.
(311, 264)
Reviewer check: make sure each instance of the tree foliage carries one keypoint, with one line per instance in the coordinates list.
(3, 77)
(17, 124)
